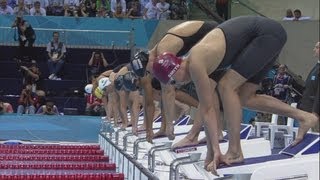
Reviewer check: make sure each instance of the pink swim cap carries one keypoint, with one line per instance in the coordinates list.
(165, 66)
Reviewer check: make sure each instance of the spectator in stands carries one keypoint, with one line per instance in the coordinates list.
(12, 3)
(28, 3)
(103, 12)
(55, 8)
(119, 13)
(298, 16)
(281, 83)
(5, 107)
(71, 7)
(94, 106)
(163, 11)
(134, 11)
(43, 3)
(21, 9)
(26, 101)
(310, 97)
(83, 12)
(48, 109)
(178, 10)
(91, 7)
(56, 52)
(289, 15)
(97, 63)
(222, 8)
(5, 9)
(26, 34)
(30, 75)
(115, 4)
(106, 4)
(150, 11)
(37, 10)
(143, 4)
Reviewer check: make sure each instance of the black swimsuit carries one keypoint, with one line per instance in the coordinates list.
(253, 43)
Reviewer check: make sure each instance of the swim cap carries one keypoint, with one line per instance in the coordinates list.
(88, 88)
(129, 81)
(139, 63)
(98, 93)
(104, 82)
(118, 83)
(165, 66)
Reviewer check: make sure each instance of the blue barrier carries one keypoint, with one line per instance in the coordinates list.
(85, 30)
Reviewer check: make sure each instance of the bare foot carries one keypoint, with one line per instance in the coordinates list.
(214, 164)
(141, 128)
(310, 121)
(135, 131)
(149, 135)
(170, 132)
(159, 133)
(203, 140)
(123, 126)
(230, 158)
(185, 142)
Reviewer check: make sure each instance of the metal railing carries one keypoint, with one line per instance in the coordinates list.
(75, 38)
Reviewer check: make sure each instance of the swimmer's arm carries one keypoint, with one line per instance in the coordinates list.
(168, 99)
(106, 73)
(148, 101)
(206, 100)
(122, 71)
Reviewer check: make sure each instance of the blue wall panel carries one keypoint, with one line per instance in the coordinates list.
(142, 29)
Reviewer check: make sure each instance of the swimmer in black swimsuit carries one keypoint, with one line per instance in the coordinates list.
(247, 47)
(178, 40)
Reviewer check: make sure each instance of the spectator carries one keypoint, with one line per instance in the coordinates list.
(12, 3)
(32, 76)
(281, 83)
(28, 3)
(106, 4)
(56, 52)
(118, 13)
(97, 63)
(55, 8)
(94, 106)
(143, 4)
(134, 11)
(103, 13)
(21, 9)
(222, 8)
(163, 11)
(26, 101)
(150, 11)
(83, 12)
(26, 35)
(5, 9)
(91, 7)
(37, 10)
(310, 97)
(289, 15)
(5, 107)
(71, 7)
(43, 3)
(48, 109)
(115, 4)
(298, 16)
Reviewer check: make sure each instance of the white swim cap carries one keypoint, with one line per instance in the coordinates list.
(104, 82)
(88, 88)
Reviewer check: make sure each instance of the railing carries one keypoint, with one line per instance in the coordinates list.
(239, 8)
(75, 38)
